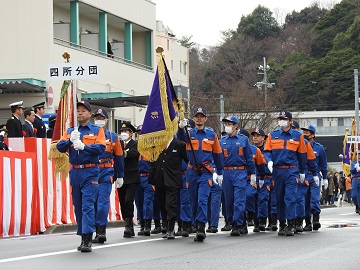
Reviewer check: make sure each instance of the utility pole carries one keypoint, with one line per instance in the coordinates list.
(356, 81)
(264, 84)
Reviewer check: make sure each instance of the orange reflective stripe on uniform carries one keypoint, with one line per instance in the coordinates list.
(195, 145)
(217, 148)
(310, 152)
(259, 157)
(268, 145)
(207, 145)
(302, 147)
(277, 144)
(292, 145)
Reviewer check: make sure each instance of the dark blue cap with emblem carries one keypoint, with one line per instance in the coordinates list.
(285, 114)
(127, 126)
(258, 131)
(232, 119)
(310, 128)
(39, 105)
(200, 110)
(84, 103)
(102, 112)
(295, 124)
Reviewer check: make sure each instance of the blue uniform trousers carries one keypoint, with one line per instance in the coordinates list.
(103, 199)
(312, 200)
(251, 198)
(355, 191)
(84, 190)
(185, 213)
(199, 190)
(214, 204)
(272, 200)
(302, 190)
(263, 199)
(156, 209)
(144, 199)
(234, 187)
(286, 188)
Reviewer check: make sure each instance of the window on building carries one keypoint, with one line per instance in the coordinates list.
(319, 122)
(340, 122)
(180, 67)
(347, 122)
(168, 44)
(185, 67)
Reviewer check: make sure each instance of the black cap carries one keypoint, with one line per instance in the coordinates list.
(3, 128)
(243, 131)
(127, 126)
(285, 114)
(52, 118)
(85, 103)
(258, 131)
(295, 124)
(200, 110)
(102, 112)
(39, 105)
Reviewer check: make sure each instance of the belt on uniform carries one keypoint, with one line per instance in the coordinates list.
(201, 168)
(105, 165)
(234, 168)
(82, 166)
(286, 166)
(104, 160)
(184, 172)
(310, 172)
(144, 174)
(267, 176)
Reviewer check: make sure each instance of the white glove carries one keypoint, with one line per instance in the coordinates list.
(261, 183)
(79, 145)
(270, 166)
(316, 179)
(214, 178)
(75, 136)
(119, 182)
(220, 178)
(183, 123)
(302, 177)
(357, 166)
(326, 183)
(2, 133)
(253, 180)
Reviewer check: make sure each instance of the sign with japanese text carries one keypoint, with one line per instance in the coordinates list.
(73, 71)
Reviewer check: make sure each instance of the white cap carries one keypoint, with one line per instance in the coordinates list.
(17, 104)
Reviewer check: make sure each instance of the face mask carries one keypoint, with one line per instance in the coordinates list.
(283, 123)
(100, 123)
(124, 136)
(228, 129)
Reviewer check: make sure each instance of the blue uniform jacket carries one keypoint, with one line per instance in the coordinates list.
(94, 139)
(144, 165)
(237, 152)
(114, 152)
(286, 148)
(259, 160)
(321, 159)
(353, 171)
(206, 147)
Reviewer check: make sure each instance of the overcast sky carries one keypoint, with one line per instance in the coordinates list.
(204, 19)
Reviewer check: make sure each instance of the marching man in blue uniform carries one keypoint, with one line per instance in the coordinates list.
(285, 153)
(204, 153)
(84, 146)
(111, 164)
(238, 163)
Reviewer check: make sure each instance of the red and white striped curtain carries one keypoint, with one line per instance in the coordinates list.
(32, 198)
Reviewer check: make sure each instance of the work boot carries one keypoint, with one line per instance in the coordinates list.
(316, 222)
(299, 225)
(356, 209)
(256, 226)
(101, 235)
(235, 231)
(212, 229)
(262, 224)
(274, 227)
(243, 229)
(250, 219)
(164, 227)
(282, 228)
(171, 229)
(142, 227)
(227, 227)
(185, 229)
(308, 226)
(81, 244)
(87, 243)
(200, 234)
(157, 228)
(147, 227)
(268, 227)
(180, 225)
(290, 228)
(129, 228)
(95, 240)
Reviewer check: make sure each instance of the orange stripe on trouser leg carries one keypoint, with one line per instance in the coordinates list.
(153, 187)
(268, 188)
(307, 182)
(94, 182)
(297, 180)
(187, 185)
(273, 183)
(210, 182)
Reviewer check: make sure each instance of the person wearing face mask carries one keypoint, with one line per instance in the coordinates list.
(111, 164)
(285, 153)
(313, 193)
(238, 163)
(204, 153)
(3, 136)
(131, 177)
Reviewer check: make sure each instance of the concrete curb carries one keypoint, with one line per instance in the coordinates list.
(63, 228)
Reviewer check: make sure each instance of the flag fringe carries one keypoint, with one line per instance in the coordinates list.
(61, 161)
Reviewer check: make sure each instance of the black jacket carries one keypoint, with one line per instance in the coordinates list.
(166, 170)
(131, 158)
(14, 127)
(40, 127)
(28, 129)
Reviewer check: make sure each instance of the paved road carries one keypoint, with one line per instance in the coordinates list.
(329, 248)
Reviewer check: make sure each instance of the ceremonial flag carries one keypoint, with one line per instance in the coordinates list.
(160, 121)
(346, 154)
(64, 120)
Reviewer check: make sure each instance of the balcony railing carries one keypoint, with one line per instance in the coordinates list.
(100, 54)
